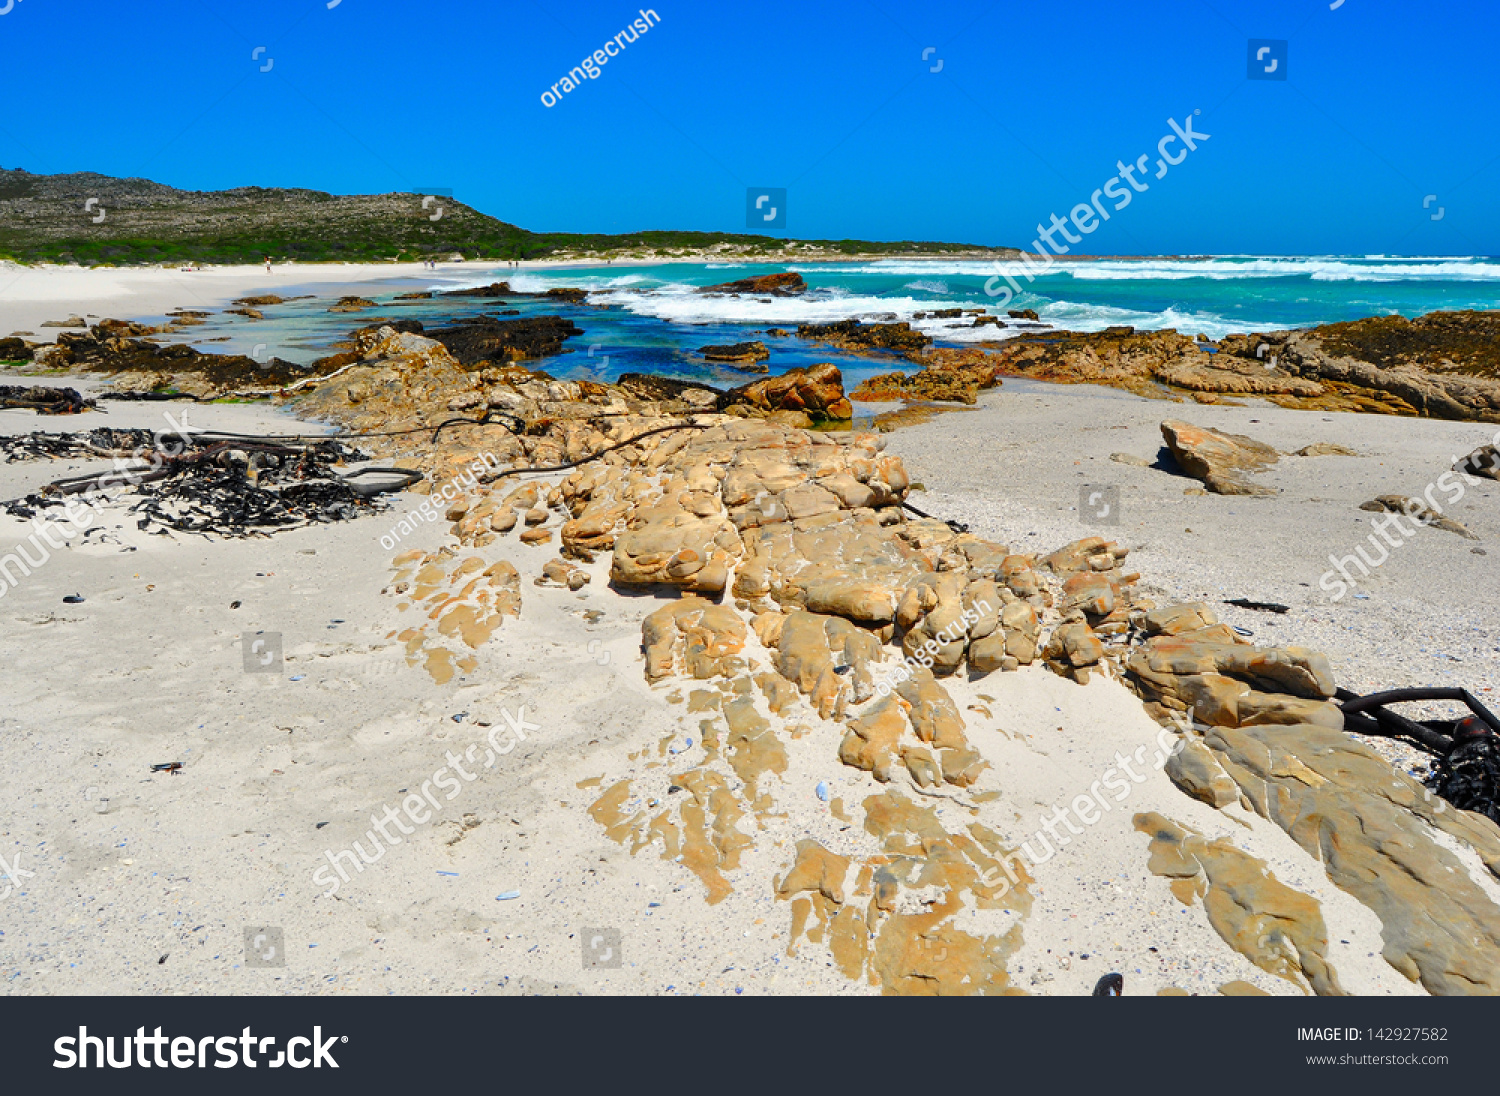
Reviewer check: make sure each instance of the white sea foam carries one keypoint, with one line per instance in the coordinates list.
(678, 303)
(1319, 269)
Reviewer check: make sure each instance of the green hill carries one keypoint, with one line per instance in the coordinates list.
(51, 218)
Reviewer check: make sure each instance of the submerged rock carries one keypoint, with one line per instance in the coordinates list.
(777, 285)
(744, 355)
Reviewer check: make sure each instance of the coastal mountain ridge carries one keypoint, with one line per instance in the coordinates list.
(89, 218)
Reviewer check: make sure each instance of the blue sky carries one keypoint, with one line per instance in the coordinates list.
(1031, 108)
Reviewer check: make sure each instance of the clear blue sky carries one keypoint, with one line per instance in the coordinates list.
(1386, 102)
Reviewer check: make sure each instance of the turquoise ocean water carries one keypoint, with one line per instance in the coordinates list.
(652, 319)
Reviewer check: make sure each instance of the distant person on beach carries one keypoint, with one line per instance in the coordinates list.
(268, 264)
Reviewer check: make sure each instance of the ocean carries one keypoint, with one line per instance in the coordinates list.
(652, 319)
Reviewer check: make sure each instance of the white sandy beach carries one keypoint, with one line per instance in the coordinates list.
(152, 893)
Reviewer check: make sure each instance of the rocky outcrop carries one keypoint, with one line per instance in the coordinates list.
(13, 349)
(1220, 460)
(1223, 681)
(1376, 831)
(484, 339)
(352, 304)
(856, 336)
(464, 598)
(948, 374)
(1443, 364)
(134, 362)
(744, 356)
(776, 285)
(816, 392)
(503, 289)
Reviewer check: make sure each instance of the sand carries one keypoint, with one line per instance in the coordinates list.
(30, 295)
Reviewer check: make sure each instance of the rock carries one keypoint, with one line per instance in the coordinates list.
(1024, 314)
(702, 638)
(1227, 683)
(123, 350)
(494, 289)
(1443, 364)
(817, 391)
(777, 285)
(352, 304)
(71, 321)
(1484, 461)
(1087, 554)
(1375, 830)
(1326, 449)
(948, 374)
(1091, 591)
(1127, 458)
(873, 742)
(1219, 459)
(1171, 620)
(463, 603)
(1417, 511)
(45, 400)
(1073, 647)
(856, 336)
(482, 339)
(1194, 769)
(1279, 929)
(261, 301)
(670, 545)
(536, 536)
(745, 355)
(648, 386)
(816, 869)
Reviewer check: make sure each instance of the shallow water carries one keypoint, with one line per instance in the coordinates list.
(651, 319)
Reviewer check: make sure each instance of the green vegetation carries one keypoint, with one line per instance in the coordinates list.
(43, 219)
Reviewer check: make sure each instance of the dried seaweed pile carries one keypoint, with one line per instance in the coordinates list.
(44, 400)
(235, 490)
(228, 488)
(102, 442)
(1469, 777)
